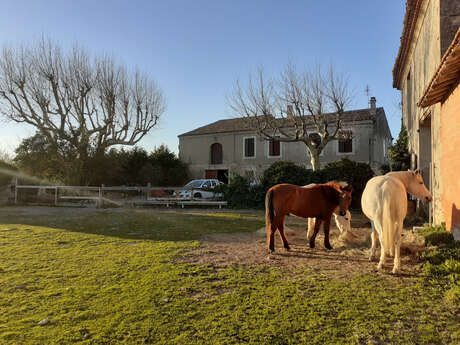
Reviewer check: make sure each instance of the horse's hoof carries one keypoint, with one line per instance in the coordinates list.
(287, 248)
(328, 247)
(396, 271)
(312, 245)
(371, 259)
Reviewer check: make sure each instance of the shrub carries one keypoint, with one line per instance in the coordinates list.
(443, 261)
(287, 172)
(239, 193)
(384, 168)
(356, 174)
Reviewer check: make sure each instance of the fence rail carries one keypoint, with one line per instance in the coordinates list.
(113, 195)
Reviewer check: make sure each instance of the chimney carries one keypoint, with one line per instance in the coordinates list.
(372, 103)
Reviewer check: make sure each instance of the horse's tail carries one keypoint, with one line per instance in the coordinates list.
(269, 212)
(388, 226)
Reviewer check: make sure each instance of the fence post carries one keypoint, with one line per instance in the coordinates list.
(56, 195)
(101, 193)
(149, 186)
(16, 191)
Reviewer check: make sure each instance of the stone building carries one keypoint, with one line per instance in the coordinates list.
(429, 28)
(232, 146)
(444, 88)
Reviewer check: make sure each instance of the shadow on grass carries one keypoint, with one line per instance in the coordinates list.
(151, 224)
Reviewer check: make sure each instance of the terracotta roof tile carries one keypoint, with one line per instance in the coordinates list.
(242, 124)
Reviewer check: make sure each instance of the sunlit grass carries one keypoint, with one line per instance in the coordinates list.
(114, 277)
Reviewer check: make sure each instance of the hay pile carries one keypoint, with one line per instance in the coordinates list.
(356, 242)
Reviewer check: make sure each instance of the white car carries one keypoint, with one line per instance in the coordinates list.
(199, 189)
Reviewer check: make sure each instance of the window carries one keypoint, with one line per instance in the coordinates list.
(194, 184)
(346, 145)
(216, 153)
(249, 147)
(346, 142)
(274, 148)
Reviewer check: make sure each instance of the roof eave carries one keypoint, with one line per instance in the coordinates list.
(410, 20)
(445, 76)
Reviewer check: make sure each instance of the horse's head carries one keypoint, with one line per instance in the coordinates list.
(344, 199)
(416, 187)
(343, 222)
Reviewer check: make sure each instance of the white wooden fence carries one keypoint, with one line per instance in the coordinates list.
(132, 196)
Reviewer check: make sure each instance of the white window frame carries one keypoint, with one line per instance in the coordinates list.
(267, 150)
(244, 147)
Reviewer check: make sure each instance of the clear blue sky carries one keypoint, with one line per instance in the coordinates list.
(196, 49)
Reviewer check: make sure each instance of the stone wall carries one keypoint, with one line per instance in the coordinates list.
(450, 22)
(423, 124)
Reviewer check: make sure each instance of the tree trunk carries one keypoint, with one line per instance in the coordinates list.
(314, 160)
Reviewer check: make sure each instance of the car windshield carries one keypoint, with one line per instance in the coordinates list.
(194, 183)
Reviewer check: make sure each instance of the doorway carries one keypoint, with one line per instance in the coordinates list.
(220, 174)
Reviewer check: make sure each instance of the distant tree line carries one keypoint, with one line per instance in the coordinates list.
(38, 157)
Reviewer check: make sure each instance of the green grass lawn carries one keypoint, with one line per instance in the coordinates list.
(117, 278)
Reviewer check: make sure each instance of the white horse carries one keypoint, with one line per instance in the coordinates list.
(342, 222)
(384, 202)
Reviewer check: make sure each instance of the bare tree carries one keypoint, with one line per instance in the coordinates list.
(297, 107)
(74, 99)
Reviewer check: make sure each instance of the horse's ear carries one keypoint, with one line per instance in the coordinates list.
(417, 172)
(347, 188)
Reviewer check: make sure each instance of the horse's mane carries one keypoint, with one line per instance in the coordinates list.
(337, 185)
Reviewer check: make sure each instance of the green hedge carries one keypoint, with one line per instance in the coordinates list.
(241, 194)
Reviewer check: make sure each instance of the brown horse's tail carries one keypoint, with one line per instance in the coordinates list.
(269, 213)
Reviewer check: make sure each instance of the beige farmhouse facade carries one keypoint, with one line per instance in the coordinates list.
(232, 146)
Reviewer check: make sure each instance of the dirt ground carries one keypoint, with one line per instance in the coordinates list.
(350, 253)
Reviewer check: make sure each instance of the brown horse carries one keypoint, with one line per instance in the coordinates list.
(318, 202)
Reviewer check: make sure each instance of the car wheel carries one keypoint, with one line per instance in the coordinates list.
(197, 195)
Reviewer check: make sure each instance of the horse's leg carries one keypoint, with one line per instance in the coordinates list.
(271, 229)
(337, 223)
(326, 226)
(281, 232)
(310, 228)
(315, 232)
(374, 237)
(379, 229)
(397, 249)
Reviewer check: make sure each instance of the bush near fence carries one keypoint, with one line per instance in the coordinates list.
(240, 193)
